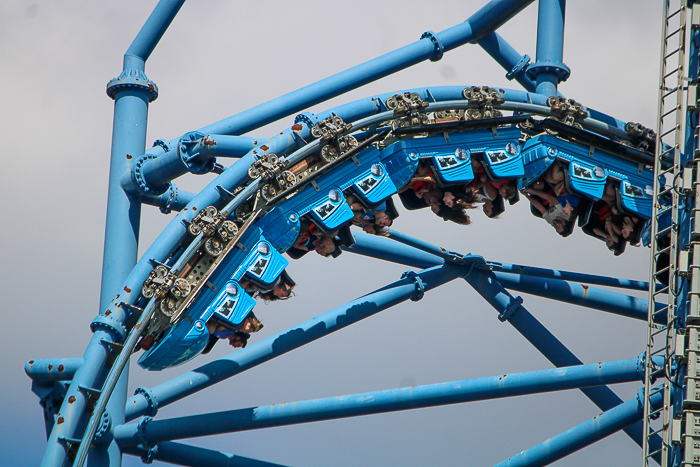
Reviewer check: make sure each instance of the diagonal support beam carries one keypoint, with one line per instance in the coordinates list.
(479, 389)
(584, 434)
(577, 294)
(506, 56)
(189, 383)
(510, 309)
(415, 252)
(431, 46)
(194, 456)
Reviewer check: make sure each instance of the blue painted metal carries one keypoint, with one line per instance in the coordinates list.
(588, 171)
(577, 294)
(279, 344)
(549, 70)
(506, 56)
(132, 91)
(49, 370)
(259, 262)
(511, 310)
(415, 397)
(385, 249)
(557, 289)
(484, 21)
(195, 153)
(150, 175)
(172, 200)
(583, 435)
(193, 456)
(569, 276)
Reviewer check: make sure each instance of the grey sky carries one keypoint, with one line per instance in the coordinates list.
(219, 58)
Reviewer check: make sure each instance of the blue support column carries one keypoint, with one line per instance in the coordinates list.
(432, 395)
(193, 456)
(583, 435)
(549, 69)
(408, 288)
(132, 91)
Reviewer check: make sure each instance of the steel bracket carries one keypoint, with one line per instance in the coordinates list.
(510, 309)
(517, 69)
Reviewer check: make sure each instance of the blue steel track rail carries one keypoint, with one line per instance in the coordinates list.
(123, 275)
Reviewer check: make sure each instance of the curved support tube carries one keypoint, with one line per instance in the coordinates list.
(152, 31)
(194, 153)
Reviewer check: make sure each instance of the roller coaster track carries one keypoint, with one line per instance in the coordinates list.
(251, 188)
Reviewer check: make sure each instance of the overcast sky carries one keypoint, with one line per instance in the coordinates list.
(220, 58)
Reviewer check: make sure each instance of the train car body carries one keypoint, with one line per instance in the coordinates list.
(588, 169)
(451, 157)
(254, 259)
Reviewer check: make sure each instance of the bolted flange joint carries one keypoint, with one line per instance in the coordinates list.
(105, 425)
(439, 48)
(110, 324)
(139, 181)
(558, 68)
(189, 150)
(172, 199)
(150, 400)
(307, 118)
(418, 283)
(152, 448)
(164, 145)
(132, 79)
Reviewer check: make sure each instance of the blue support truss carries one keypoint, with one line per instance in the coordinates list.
(90, 420)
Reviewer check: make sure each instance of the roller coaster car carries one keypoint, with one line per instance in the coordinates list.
(587, 171)
(323, 201)
(451, 157)
(222, 300)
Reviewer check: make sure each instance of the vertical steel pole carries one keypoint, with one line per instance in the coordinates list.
(132, 91)
(549, 70)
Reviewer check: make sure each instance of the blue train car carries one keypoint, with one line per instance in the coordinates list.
(324, 203)
(588, 169)
(222, 297)
(451, 161)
